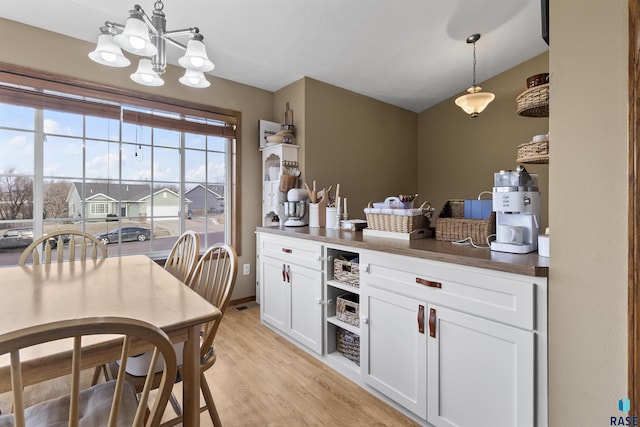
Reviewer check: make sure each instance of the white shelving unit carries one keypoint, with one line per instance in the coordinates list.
(274, 160)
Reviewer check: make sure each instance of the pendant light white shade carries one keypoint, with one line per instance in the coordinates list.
(195, 57)
(193, 78)
(145, 75)
(107, 52)
(474, 102)
(135, 38)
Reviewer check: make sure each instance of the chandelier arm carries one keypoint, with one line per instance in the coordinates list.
(113, 27)
(175, 43)
(138, 10)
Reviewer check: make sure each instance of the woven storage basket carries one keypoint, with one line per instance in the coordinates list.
(346, 272)
(398, 223)
(348, 345)
(348, 309)
(534, 102)
(533, 152)
(287, 182)
(451, 225)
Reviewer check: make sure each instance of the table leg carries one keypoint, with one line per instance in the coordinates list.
(191, 378)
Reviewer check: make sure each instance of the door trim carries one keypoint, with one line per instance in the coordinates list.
(634, 207)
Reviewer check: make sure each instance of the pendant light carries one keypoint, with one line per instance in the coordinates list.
(475, 101)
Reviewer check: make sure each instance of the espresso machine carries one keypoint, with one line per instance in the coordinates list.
(295, 207)
(516, 201)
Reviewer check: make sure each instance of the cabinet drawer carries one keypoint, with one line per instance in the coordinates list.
(291, 250)
(503, 297)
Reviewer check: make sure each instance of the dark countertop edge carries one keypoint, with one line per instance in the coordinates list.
(427, 248)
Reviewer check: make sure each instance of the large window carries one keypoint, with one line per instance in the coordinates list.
(78, 158)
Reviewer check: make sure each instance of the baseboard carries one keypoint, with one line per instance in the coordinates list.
(242, 300)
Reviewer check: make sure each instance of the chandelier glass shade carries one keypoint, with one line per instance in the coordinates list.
(475, 101)
(148, 37)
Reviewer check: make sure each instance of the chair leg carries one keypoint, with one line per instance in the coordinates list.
(175, 404)
(208, 398)
(96, 375)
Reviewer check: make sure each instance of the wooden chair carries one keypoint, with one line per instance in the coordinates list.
(90, 247)
(183, 256)
(213, 278)
(115, 401)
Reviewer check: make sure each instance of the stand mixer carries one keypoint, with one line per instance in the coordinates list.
(516, 201)
(295, 207)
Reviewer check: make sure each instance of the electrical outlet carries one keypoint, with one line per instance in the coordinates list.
(246, 269)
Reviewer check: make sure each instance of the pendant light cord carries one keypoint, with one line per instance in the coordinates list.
(474, 64)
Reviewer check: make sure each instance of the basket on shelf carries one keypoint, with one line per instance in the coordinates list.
(348, 345)
(347, 272)
(398, 220)
(533, 152)
(287, 182)
(348, 309)
(534, 102)
(451, 225)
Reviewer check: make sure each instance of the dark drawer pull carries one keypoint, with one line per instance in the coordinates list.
(428, 283)
(286, 250)
(421, 319)
(432, 322)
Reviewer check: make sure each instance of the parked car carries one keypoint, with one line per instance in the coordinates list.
(23, 237)
(16, 238)
(128, 234)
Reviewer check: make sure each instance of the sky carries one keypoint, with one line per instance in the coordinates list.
(64, 148)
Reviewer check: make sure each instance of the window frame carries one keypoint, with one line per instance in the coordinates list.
(29, 77)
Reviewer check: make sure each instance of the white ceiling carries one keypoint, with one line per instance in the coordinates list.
(409, 53)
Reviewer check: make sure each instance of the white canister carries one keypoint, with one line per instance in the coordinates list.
(331, 217)
(314, 215)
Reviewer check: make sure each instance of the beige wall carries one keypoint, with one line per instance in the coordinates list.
(362, 144)
(68, 56)
(588, 211)
(458, 154)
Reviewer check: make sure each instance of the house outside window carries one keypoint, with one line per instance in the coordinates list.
(97, 165)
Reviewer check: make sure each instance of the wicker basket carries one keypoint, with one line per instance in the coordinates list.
(451, 225)
(346, 272)
(348, 309)
(287, 182)
(534, 102)
(348, 345)
(533, 152)
(399, 223)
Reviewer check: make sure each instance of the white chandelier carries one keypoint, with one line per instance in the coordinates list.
(475, 101)
(147, 37)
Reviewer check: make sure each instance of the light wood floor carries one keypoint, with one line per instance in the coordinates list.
(260, 379)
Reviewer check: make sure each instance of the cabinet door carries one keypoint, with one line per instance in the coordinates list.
(481, 373)
(305, 312)
(394, 347)
(273, 306)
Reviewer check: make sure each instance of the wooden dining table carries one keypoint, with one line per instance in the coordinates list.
(130, 286)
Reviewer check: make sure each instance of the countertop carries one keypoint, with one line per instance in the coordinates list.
(427, 248)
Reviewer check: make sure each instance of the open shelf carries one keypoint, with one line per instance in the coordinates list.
(344, 325)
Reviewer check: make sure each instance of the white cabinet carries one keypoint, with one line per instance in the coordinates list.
(453, 344)
(395, 344)
(275, 160)
(481, 373)
(291, 288)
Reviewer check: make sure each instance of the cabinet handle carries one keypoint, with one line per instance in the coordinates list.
(284, 274)
(288, 273)
(428, 283)
(421, 319)
(286, 250)
(432, 322)
(364, 320)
